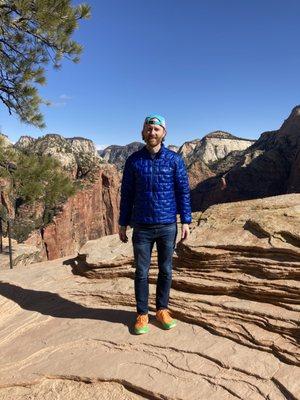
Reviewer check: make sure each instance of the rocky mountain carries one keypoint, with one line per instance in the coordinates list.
(235, 295)
(90, 213)
(173, 147)
(221, 167)
(77, 155)
(5, 141)
(269, 167)
(187, 149)
(117, 155)
(212, 147)
(204, 156)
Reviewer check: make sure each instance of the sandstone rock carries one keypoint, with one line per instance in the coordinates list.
(237, 274)
(69, 388)
(111, 258)
(217, 145)
(80, 144)
(244, 257)
(187, 149)
(173, 147)
(5, 142)
(55, 146)
(269, 167)
(22, 254)
(198, 172)
(77, 155)
(91, 213)
(24, 142)
(117, 155)
(215, 153)
(73, 337)
(205, 158)
(6, 200)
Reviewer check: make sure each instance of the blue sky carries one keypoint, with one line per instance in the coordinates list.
(231, 65)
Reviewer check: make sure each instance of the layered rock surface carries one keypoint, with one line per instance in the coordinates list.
(243, 259)
(91, 213)
(237, 275)
(269, 167)
(204, 158)
(213, 147)
(235, 293)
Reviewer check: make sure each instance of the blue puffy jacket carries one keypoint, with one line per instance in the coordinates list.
(154, 190)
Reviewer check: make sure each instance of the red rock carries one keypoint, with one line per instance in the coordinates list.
(89, 214)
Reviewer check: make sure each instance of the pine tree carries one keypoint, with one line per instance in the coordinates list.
(32, 34)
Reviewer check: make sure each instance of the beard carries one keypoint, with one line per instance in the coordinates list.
(153, 141)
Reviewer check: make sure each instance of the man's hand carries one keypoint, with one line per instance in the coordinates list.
(122, 234)
(223, 182)
(185, 231)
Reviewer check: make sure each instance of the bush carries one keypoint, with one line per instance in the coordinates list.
(36, 178)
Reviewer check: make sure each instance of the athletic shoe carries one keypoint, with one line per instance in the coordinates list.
(163, 316)
(141, 324)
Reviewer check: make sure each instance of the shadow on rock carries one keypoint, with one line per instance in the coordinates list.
(52, 304)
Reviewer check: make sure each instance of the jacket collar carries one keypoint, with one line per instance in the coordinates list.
(159, 154)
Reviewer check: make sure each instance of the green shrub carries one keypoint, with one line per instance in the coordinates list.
(36, 178)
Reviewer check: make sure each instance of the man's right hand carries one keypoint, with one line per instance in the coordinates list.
(122, 234)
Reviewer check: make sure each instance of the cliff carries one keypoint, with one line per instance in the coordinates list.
(90, 213)
(269, 167)
(117, 155)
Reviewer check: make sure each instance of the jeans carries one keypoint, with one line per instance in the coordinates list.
(143, 238)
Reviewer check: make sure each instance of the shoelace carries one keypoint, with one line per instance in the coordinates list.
(166, 314)
(142, 318)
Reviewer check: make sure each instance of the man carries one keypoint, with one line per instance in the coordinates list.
(154, 189)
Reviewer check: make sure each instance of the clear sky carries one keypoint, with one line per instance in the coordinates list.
(205, 65)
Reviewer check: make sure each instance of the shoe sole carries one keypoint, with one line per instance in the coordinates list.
(166, 327)
(141, 331)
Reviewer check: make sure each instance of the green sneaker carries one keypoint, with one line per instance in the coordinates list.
(141, 324)
(163, 316)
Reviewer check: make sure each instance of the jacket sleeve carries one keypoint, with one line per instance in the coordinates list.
(182, 192)
(127, 194)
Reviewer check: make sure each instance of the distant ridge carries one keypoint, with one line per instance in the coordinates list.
(223, 135)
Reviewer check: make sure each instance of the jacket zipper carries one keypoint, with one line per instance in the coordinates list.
(152, 203)
(152, 164)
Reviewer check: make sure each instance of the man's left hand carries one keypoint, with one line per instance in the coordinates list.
(185, 231)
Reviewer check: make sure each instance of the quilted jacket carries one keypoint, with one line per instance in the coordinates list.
(154, 190)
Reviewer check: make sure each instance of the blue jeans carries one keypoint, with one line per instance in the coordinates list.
(143, 238)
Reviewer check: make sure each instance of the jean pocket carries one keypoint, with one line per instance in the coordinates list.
(135, 232)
